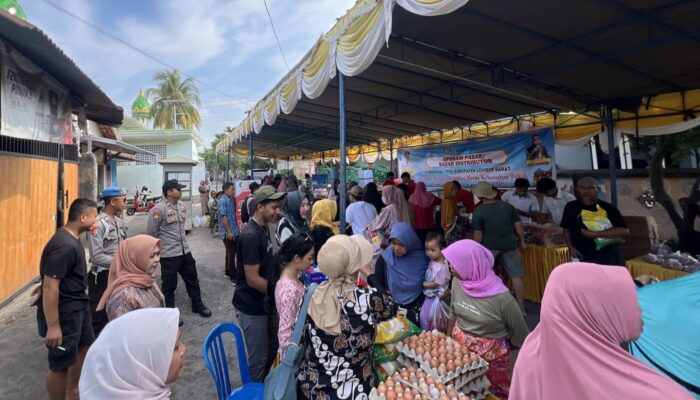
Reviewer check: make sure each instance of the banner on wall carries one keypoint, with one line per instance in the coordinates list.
(34, 105)
(242, 192)
(499, 161)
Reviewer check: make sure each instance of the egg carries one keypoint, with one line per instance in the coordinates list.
(423, 387)
(449, 348)
(391, 395)
(444, 397)
(419, 349)
(434, 363)
(429, 380)
(389, 383)
(442, 359)
(435, 353)
(452, 393)
(450, 366)
(473, 358)
(442, 370)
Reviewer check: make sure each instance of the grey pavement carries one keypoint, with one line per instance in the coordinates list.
(23, 356)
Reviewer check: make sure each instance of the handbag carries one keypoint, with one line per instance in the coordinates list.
(281, 382)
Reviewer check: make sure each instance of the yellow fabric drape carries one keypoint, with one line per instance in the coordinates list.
(359, 29)
(319, 58)
(638, 266)
(539, 262)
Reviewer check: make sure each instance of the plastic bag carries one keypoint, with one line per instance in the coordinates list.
(197, 221)
(396, 329)
(597, 221)
(437, 318)
(383, 354)
(386, 369)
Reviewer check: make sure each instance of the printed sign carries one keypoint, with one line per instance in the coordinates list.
(499, 161)
(34, 106)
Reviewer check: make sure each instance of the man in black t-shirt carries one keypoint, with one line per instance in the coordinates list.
(255, 255)
(592, 227)
(63, 316)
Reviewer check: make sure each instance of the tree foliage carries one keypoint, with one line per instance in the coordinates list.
(171, 87)
(671, 150)
(240, 165)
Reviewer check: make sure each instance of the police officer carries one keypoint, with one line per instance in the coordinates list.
(111, 230)
(166, 221)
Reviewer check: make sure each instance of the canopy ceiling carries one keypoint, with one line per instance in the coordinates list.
(490, 60)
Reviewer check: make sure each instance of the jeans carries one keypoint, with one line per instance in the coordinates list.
(187, 268)
(261, 342)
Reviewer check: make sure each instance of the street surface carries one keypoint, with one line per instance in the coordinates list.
(23, 357)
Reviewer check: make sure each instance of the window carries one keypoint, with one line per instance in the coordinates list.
(185, 179)
(160, 150)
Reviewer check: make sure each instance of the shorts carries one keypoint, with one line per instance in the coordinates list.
(512, 262)
(76, 327)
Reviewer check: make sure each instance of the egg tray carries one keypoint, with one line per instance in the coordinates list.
(458, 380)
(477, 389)
(408, 357)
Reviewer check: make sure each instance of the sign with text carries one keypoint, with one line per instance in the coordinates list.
(34, 106)
(498, 160)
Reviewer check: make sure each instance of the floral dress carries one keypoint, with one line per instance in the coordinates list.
(340, 367)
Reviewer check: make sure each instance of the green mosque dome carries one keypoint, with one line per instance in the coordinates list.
(13, 7)
(140, 108)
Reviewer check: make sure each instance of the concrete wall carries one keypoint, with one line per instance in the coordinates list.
(133, 177)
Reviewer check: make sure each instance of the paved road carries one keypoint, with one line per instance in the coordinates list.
(23, 356)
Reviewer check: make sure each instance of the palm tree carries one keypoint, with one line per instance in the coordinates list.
(174, 94)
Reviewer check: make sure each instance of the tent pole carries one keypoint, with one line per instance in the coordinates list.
(250, 150)
(391, 155)
(228, 165)
(611, 153)
(343, 150)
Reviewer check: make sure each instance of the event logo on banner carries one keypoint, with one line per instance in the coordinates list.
(498, 160)
(34, 106)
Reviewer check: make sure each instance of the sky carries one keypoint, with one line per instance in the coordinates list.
(227, 44)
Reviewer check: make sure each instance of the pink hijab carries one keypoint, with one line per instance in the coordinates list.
(588, 310)
(421, 197)
(132, 265)
(474, 263)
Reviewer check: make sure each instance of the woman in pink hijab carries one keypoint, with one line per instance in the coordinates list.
(576, 351)
(132, 277)
(423, 203)
(483, 315)
(395, 211)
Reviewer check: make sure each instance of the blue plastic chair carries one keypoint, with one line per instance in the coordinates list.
(216, 361)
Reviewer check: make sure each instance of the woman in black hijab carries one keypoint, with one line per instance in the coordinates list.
(373, 197)
(296, 214)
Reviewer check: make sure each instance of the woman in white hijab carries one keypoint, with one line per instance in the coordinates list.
(136, 356)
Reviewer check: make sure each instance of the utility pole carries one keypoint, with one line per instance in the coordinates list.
(174, 104)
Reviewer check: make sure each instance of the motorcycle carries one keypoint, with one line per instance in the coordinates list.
(144, 204)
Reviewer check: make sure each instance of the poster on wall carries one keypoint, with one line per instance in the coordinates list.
(499, 160)
(34, 105)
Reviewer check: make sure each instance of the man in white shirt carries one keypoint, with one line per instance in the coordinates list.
(524, 202)
(359, 213)
(554, 199)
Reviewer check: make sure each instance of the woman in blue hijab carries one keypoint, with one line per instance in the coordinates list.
(401, 269)
(670, 340)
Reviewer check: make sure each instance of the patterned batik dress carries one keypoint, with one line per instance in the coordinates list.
(340, 367)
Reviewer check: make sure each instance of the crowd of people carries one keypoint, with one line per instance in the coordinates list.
(444, 263)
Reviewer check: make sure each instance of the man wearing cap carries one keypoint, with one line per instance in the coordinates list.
(497, 227)
(255, 261)
(166, 221)
(593, 227)
(359, 213)
(111, 230)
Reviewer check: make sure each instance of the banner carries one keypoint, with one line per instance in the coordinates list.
(34, 105)
(242, 189)
(499, 161)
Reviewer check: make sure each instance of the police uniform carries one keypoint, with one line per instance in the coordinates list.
(110, 232)
(166, 221)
